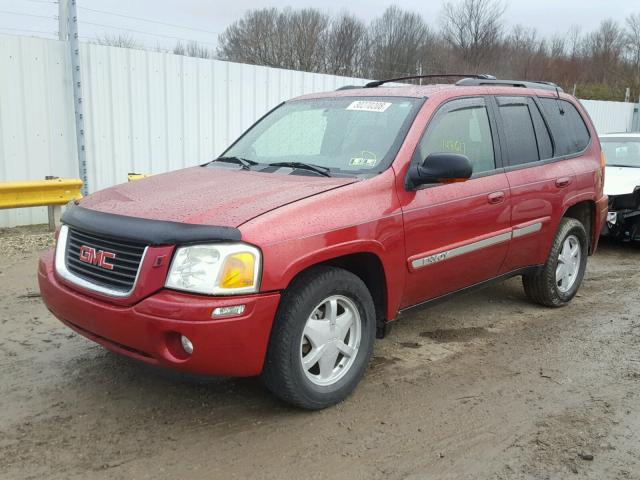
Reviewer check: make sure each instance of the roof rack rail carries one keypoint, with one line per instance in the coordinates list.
(469, 82)
(377, 83)
(347, 87)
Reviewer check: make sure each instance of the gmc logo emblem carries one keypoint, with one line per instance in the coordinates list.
(96, 257)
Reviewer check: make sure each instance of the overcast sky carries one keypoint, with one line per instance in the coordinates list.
(37, 17)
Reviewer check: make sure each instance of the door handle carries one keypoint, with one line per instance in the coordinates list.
(563, 182)
(495, 197)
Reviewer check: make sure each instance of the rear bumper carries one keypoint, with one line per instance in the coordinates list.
(150, 330)
(602, 208)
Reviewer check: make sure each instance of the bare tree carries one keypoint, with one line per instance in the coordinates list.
(346, 46)
(633, 43)
(523, 46)
(123, 40)
(557, 46)
(193, 49)
(605, 47)
(473, 28)
(251, 39)
(293, 39)
(397, 42)
(574, 39)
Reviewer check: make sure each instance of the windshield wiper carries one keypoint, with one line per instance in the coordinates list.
(244, 162)
(324, 171)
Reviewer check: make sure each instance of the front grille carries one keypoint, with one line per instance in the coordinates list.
(126, 261)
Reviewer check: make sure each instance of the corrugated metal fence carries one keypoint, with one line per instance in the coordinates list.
(144, 111)
(610, 117)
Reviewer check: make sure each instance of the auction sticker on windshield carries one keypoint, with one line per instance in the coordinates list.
(368, 106)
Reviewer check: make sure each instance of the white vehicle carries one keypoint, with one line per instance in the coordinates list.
(622, 184)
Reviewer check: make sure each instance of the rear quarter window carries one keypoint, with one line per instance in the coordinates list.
(570, 134)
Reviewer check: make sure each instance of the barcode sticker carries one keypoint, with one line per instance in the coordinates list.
(368, 106)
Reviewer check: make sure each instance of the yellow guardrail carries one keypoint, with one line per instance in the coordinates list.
(132, 177)
(57, 191)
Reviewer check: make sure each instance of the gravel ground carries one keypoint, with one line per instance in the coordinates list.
(487, 386)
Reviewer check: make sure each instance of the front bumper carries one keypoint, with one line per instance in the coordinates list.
(623, 225)
(150, 330)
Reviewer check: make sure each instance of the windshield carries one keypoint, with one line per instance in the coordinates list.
(622, 152)
(345, 135)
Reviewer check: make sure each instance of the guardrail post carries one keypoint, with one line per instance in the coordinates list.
(53, 211)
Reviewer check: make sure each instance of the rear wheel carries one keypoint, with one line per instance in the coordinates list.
(322, 339)
(559, 280)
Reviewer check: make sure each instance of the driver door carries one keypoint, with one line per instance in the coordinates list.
(457, 234)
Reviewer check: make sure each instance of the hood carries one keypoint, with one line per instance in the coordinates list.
(208, 196)
(621, 180)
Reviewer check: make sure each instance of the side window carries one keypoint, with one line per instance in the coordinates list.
(461, 126)
(579, 133)
(519, 133)
(545, 146)
(570, 134)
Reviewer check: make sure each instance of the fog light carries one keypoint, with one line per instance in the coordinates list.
(186, 344)
(228, 311)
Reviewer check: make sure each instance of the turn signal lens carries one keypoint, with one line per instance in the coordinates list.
(238, 271)
(603, 159)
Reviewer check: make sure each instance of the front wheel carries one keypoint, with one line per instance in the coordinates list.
(559, 280)
(322, 339)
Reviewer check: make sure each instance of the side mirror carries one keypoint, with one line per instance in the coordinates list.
(440, 168)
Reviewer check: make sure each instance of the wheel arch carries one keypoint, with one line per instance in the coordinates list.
(584, 211)
(369, 267)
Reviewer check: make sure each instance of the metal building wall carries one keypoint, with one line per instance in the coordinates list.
(610, 117)
(37, 136)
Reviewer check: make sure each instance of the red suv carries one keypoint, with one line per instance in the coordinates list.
(328, 218)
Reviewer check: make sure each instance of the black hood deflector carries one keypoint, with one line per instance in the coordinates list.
(142, 230)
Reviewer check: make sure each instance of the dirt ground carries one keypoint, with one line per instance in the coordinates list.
(486, 386)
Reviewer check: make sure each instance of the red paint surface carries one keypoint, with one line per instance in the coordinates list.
(300, 221)
(220, 196)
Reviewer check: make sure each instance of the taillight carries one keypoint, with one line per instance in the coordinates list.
(603, 159)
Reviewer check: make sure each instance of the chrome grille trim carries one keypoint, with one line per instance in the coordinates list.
(69, 276)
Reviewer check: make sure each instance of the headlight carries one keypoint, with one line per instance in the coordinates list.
(215, 269)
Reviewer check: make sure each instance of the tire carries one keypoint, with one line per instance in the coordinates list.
(543, 286)
(304, 310)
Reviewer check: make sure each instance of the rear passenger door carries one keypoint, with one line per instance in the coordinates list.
(540, 183)
(457, 234)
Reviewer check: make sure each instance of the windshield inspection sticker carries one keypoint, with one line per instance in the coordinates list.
(368, 106)
(366, 159)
